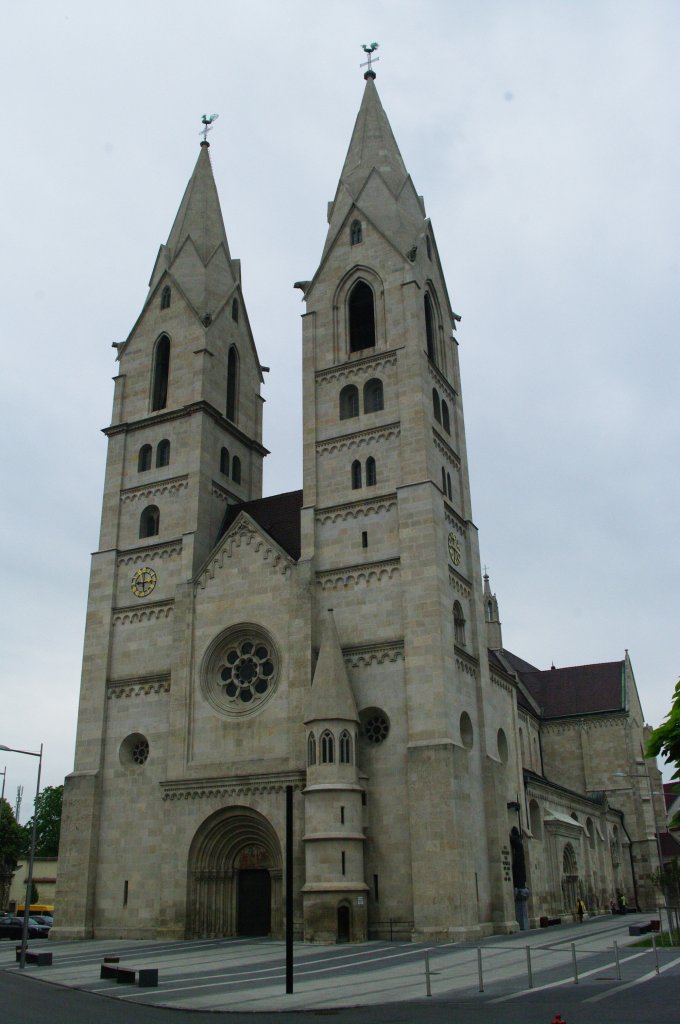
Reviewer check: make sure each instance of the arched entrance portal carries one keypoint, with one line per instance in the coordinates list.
(234, 884)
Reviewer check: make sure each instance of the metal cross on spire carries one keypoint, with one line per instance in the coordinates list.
(207, 120)
(369, 49)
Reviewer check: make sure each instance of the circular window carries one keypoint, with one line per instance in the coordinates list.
(375, 725)
(240, 671)
(134, 750)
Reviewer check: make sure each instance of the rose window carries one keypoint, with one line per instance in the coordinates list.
(246, 672)
(240, 671)
(376, 728)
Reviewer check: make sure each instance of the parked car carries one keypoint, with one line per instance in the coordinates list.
(43, 919)
(11, 927)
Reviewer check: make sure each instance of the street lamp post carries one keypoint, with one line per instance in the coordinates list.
(31, 856)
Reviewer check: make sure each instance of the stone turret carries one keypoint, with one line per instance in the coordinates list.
(494, 637)
(335, 891)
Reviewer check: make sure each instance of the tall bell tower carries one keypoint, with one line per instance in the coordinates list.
(387, 521)
(185, 441)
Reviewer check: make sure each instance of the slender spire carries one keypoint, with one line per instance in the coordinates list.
(196, 253)
(331, 694)
(199, 216)
(373, 146)
(374, 179)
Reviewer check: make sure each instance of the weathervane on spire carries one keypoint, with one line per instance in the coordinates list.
(207, 120)
(369, 49)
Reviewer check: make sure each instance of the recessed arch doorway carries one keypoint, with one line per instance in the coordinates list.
(234, 876)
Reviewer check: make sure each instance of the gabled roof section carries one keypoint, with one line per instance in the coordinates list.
(278, 515)
(331, 696)
(578, 690)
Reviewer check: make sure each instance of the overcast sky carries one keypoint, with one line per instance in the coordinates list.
(544, 138)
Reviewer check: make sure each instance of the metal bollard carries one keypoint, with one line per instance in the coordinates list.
(479, 969)
(656, 952)
(531, 977)
(428, 989)
(573, 957)
(616, 956)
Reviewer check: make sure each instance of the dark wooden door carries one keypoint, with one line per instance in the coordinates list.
(254, 902)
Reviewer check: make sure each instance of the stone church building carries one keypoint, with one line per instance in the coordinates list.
(340, 639)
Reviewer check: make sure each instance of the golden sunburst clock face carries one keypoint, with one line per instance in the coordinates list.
(454, 549)
(143, 582)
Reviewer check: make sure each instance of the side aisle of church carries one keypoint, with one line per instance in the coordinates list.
(339, 639)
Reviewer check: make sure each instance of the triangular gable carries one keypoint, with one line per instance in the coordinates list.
(244, 532)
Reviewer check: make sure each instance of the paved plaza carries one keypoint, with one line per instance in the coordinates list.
(248, 975)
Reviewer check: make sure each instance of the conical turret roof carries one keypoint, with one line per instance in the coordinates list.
(331, 695)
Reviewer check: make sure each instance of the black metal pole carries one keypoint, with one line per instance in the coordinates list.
(289, 889)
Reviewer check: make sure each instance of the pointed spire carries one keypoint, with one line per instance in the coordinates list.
(373, 146)
(494, 635)
(199, 216)
(331, 694)
(375, 181)
(197, 252)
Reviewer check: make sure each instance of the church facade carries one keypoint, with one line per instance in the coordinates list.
(339, 640)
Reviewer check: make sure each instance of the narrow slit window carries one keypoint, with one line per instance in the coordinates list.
(436, 406)
(224, 462)
(166, 296)
(355, 233)
(429, 329)
(446, 422)
(356, 475)
(232, 381)
(371, 475)
(236, 469)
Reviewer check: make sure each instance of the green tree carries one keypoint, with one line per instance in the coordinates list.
(48, 823)
(666, 740)
(11, 844)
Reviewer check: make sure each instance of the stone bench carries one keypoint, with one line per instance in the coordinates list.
(145, 977)
(642, 929)
(43, 959)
